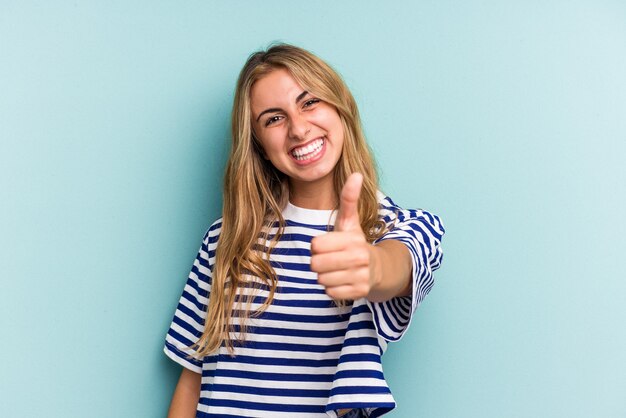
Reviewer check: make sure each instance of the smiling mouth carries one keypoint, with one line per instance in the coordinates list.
(309, 151)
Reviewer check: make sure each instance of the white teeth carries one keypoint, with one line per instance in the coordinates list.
(309, 151)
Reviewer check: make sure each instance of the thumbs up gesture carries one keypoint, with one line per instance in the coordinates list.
(343, 258)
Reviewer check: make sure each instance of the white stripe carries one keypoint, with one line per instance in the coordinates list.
(280, 354)
(371, 398)
(308, 311)
(291, 339)
(273, 384)
(181, 331)
(295, 371)
(360, 365)
(255, 414)
(359, 381)
(275, 400)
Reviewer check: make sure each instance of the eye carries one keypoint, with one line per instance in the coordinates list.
(272, 120)
(310, 102)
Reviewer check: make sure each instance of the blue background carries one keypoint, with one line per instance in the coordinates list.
(505, 118)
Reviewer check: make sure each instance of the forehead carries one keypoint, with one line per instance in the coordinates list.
(274, 90)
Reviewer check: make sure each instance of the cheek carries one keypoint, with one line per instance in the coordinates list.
(340, 134)
(335, 121)
(271, 147)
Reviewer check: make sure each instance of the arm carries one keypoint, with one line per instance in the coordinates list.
(390, 271)
(394, 274)
(186, 395)
(350, 267)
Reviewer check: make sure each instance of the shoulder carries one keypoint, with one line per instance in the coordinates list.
(393, 215)
(212, 234)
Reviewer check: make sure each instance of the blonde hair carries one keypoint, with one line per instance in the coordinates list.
(255, 193)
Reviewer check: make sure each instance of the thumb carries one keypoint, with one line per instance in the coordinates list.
(348, 215)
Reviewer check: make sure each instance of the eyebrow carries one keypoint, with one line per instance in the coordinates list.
(301, 96)
(277, 109)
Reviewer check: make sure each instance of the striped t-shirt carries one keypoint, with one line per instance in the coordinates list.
(304, 356)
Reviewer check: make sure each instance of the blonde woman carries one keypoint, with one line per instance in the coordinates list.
(311, 270)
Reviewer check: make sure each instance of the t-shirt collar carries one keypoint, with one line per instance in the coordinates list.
(309, 216)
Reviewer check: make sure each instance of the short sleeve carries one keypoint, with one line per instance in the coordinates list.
(421, 232)
(188, 322)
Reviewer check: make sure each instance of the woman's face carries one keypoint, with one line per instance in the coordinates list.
(300, 134)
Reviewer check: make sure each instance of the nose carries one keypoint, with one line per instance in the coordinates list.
(299, 127)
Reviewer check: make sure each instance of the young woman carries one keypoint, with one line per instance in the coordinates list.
(311, 270)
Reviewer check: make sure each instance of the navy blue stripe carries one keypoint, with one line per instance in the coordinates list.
(204, 261)
(299, 290)
(186, 326)
(360, 309)
(370, 374)
(304, 393)
(263, 406)
(282, 288)
(387, 319)
(346, 358)
(284, 251)
(178, 337)
(350, 390)
(313, 319)
(305, 333)
(183, 308)
(201, 277)
(354, 326)
(325, 228)
(296, 303)
(307, 348)
(286, 377)
(279, 361)
(364, 341)
(293, 236)
(285, 265)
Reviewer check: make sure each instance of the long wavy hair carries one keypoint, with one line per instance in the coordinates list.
(255, 193)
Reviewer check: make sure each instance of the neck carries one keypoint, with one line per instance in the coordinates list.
(313, 196)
